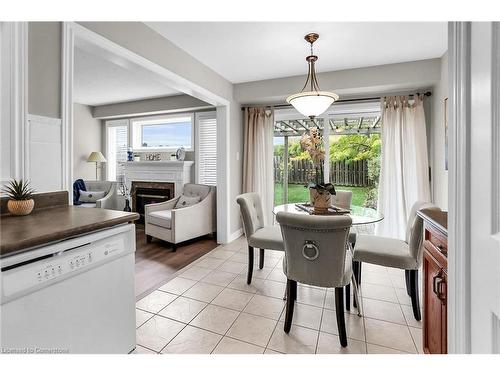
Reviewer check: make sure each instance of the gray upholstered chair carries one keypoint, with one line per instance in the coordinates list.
(342, 199)
(110, 199)
(258, 235)
(392, 252)
(174, 225)
(316, 253)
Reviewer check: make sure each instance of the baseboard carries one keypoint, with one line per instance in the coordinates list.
(235, 235)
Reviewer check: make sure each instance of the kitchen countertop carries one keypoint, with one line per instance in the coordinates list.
(52, 224)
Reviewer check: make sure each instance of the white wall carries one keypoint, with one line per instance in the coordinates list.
(370, 81)
(87, 138)
(44, 69)
(439, 174)
(168, 104)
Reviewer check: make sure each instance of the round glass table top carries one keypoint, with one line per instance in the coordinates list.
(359, 215)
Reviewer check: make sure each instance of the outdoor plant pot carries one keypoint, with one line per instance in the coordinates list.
(20, 207)
(320, 200)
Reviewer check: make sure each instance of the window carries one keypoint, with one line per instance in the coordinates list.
(116, 148)
(206, 155)
(352, 142)
(166, 133)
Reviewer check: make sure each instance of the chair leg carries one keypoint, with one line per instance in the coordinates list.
(356, 297)
(261, 259)
(339, 307)
(291, 288)
(360, 264)
(250, 265)
(407, 278)
(149, 238)
(415, 303)
(355, 273)
(348, 297)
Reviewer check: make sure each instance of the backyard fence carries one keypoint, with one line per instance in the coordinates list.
(354, 173)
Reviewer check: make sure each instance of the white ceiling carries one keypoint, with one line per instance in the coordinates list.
(98, 81)
(250, 51)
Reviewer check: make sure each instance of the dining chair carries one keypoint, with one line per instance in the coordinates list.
(258, 236)
(343, 199)
(316, 253)
(392, 252)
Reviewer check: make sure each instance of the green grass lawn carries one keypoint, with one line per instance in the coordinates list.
(298, 194)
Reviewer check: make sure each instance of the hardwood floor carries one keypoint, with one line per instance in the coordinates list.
(155, 263)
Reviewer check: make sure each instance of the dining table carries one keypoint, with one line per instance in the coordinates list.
(359, 215)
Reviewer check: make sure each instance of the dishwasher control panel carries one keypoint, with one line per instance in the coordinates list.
(61, 264)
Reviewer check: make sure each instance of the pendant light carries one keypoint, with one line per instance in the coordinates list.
(311, 101)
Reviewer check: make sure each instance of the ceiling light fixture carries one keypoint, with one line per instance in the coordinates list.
(313, 102)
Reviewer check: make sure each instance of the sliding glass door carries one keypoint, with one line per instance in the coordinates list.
(352, 146)
(292, 167)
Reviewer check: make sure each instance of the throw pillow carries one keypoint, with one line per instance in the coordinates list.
(185, 201)
(91, 196)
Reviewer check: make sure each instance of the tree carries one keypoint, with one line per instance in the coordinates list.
(355, 147)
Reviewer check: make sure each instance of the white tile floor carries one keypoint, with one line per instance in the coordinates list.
(209, 308)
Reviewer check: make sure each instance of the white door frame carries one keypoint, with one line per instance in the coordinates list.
(459, 263)
(128, 58)
(15, 102)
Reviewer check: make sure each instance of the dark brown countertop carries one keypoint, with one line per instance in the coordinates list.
(20, 233)
(436, 217)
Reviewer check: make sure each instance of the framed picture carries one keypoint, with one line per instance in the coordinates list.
(446, 134)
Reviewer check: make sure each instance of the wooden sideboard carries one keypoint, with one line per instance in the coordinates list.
(435, 281)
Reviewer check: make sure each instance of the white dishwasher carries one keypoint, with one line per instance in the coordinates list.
(74, 296)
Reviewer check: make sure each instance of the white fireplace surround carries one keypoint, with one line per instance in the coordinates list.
(178, 172)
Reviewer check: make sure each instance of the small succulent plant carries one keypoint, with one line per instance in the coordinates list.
(19, 190)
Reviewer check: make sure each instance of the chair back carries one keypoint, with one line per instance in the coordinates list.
(342, 199)
(100, 185)
(196, 190)
(315, 248)
(251, 212)
(415, 228)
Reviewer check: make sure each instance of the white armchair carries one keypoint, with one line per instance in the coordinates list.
(176, 225)
(110, 199)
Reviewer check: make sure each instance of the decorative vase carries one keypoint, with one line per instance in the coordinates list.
(320, 200)
(21, 207)
(127, 206)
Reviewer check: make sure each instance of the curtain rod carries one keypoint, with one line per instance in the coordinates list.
(427, 93)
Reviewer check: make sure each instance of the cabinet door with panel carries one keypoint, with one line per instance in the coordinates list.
(435, 310)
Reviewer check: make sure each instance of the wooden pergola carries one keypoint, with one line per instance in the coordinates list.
(338, 126)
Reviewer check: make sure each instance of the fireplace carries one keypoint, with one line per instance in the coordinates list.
(146, 192)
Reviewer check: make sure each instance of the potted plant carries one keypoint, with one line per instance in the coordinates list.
(319, 192)
(20, 194)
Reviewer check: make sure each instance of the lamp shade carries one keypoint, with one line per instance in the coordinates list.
(312, 103)
(96, 157)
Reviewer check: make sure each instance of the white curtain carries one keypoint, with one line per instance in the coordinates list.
(258, 157)
(404, 172)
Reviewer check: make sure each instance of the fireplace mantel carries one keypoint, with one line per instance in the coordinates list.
(177, 172)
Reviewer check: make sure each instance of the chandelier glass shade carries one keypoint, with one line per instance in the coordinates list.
(311, 101)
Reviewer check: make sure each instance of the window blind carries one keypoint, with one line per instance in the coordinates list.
(207, 149)
(117, 144)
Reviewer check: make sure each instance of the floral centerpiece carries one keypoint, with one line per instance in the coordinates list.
(320, 192)
(123, 189)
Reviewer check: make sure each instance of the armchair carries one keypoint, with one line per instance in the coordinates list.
(176, 225)
(109, 200)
